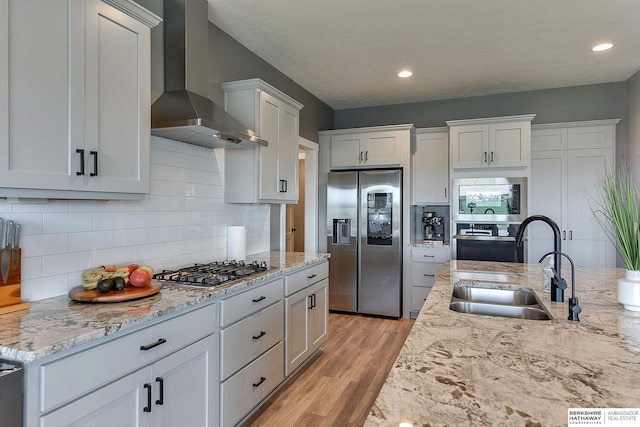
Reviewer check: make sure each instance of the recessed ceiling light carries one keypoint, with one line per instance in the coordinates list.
(404, 74)
(601, 47)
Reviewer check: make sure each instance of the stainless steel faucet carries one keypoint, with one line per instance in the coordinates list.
(574, 308)
(557, 292)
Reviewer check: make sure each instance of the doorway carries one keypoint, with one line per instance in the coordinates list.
(301, 219)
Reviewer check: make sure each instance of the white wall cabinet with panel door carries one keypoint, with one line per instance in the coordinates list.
(262, 174)
(499, 142)
(75, 110)
(430, 166)
(426, 264)
(163, 374)
(568, 161)
(251, 349)
(307, 312)
(379, 146)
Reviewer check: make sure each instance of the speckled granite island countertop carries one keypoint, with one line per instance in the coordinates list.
(56, 324)
(463, 369)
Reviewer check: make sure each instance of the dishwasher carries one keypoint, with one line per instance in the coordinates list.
(11, 393)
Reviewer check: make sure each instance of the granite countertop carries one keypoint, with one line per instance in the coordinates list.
(56, 324)
(464, 369)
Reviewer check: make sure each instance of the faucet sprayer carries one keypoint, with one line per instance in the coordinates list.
(574, 308)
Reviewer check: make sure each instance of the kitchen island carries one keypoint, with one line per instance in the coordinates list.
(465, 369)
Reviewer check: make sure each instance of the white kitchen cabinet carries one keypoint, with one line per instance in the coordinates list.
(82, 128)
(251, 348)
(426, 264)
(263, 174)
(170, 392)
(500, 142)
(430, 166)
(152, 376)
(380, 146)
(568, 161)
(307, 312)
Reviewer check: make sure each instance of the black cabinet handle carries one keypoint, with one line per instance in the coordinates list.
(310, 305)
(429, 275)
(262, 333)
(286, 185)
(313, 300)
(161, 400)
(262, 379)
(485, 157)
(366, 156)
(95, 163)
(81, 151)
(148, 407)
(311, 276)
(429, 256)
(564, 235)
(259, 299)
(445, 192)
(361, 157)
(155, 344)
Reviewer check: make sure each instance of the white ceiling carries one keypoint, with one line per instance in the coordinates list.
(347, 52)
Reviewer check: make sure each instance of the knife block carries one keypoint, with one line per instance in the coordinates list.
(10, 299)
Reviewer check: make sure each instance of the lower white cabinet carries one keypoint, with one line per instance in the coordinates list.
(426, 264)
(173, 391)
(162, 375)
(251, 349)
(307, 313)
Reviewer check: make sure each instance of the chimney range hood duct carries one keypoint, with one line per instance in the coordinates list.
(181, 113)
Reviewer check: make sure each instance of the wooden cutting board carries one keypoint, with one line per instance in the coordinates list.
(127, 294)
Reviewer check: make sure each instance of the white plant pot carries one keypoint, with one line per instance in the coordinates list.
(629, 290)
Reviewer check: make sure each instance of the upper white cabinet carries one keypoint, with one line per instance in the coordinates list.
(263, 174)
(430, 166)
(74, 98)
(568, 161)
(379, 146)
(500, 142)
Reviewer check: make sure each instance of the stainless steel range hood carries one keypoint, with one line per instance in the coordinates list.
(182, 112)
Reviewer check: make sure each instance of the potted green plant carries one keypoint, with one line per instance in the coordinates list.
(620, 218)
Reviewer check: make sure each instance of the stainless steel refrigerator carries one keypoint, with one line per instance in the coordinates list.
(364, 221)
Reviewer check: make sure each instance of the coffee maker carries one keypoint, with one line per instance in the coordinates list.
(432, 226)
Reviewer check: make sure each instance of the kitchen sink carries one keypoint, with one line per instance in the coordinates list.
(495, 296)
(498, 300)
(518, 312)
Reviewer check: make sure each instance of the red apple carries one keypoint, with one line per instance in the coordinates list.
(139, 278)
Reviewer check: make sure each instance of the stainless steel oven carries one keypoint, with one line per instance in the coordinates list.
(487, 242)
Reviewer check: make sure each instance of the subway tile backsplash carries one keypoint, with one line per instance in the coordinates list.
(183, 220)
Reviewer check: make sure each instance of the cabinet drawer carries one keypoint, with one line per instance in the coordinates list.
(249, 338)
(301, 279)
(242, 305)
(103, 363)
(424, 274)
(430, 255)
(243, 391)
(418, 297)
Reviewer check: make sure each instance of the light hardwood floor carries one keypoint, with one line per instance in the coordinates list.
(339, 386)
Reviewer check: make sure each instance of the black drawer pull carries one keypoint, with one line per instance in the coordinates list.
(262, 379)
(155, 344)
(312, 276)
(429, 275)
(148, 407)
(81, 151)
(259, 299)
(161, 400)
(262, 333)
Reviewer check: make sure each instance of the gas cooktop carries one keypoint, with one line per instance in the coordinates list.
(212, 274)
